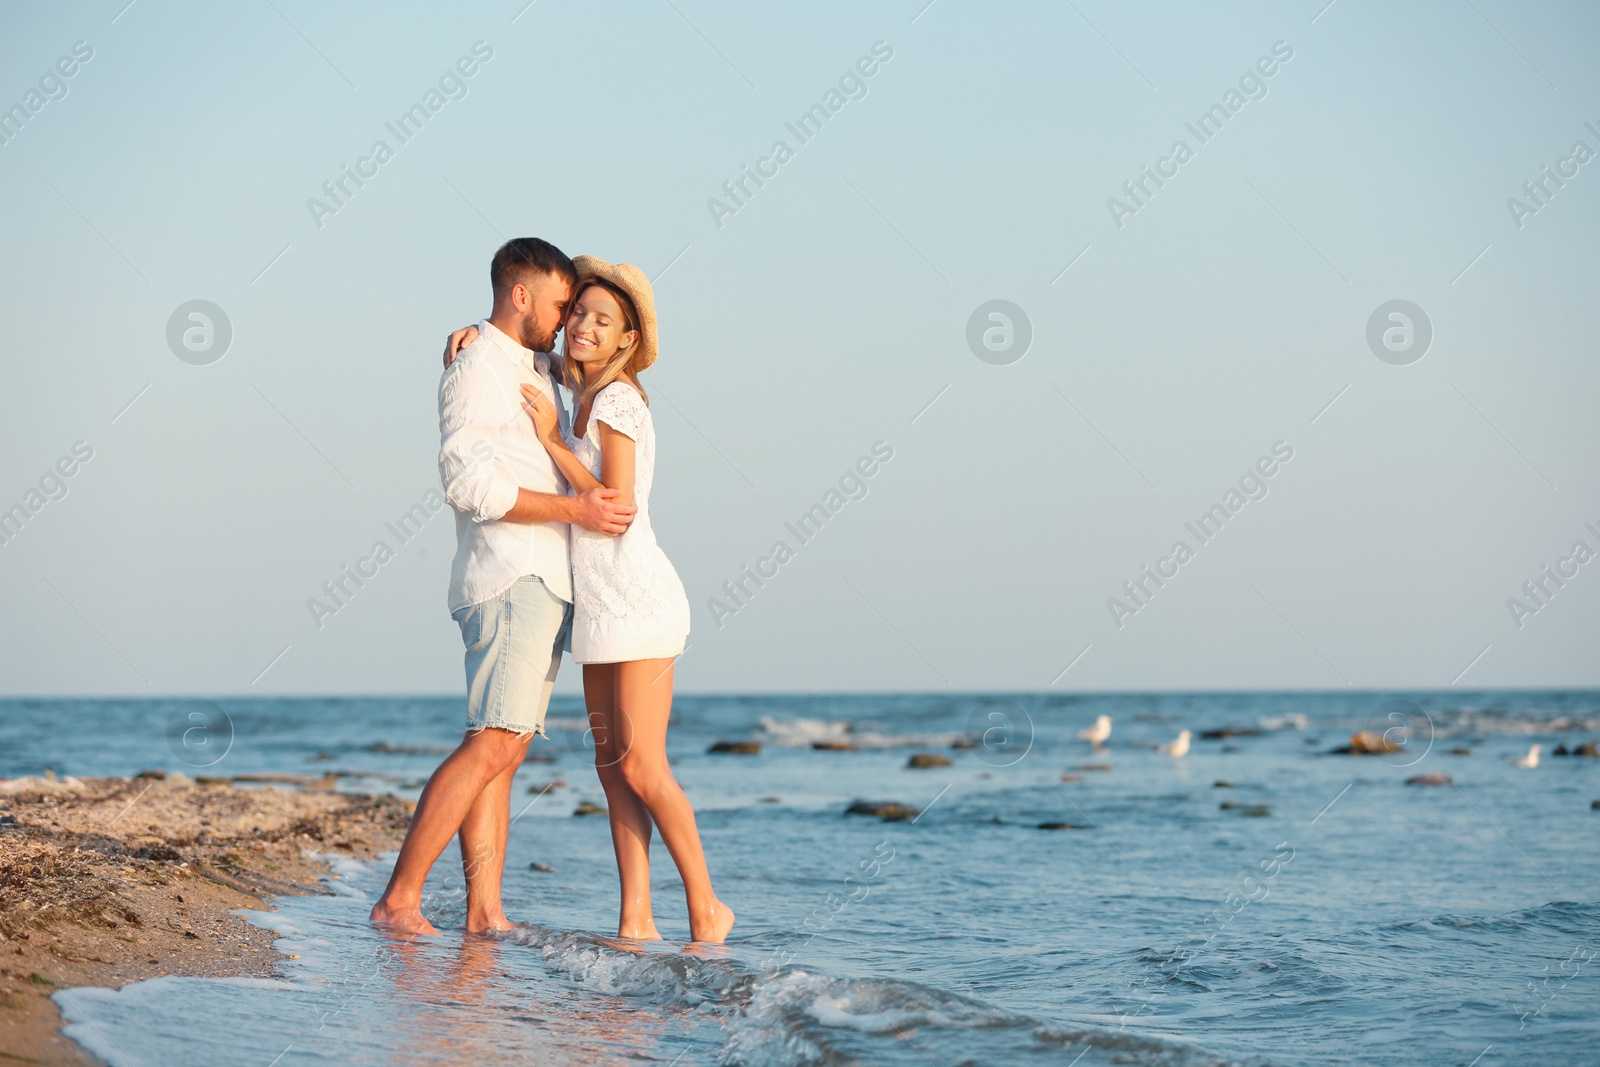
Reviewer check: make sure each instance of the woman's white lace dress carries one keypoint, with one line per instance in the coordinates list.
(629, 601)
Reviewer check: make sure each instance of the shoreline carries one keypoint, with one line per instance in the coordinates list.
(109, 881)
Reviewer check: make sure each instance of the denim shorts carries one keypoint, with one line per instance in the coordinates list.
(514, 644)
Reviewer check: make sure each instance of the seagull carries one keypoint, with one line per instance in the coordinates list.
(1180, 747)
(1530, 761)
(1096, 735)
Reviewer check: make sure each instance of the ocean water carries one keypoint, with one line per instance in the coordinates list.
(1330, 913)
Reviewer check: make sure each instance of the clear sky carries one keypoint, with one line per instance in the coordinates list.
(1179, 328)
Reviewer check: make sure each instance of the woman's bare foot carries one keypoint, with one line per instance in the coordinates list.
(713, 927)
(639, 931)
(406, 920)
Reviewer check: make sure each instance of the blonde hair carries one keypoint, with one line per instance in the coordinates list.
(584, 391)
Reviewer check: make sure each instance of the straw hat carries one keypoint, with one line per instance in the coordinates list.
(630, 280)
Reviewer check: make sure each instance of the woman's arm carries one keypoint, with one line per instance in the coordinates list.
(547, 427)
(616, 461)
(616, 449)
(457, 341)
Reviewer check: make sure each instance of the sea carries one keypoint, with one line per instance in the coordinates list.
(1264, 898)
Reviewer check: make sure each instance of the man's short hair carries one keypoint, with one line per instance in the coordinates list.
(521, 257)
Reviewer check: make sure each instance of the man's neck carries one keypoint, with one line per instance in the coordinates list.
(508, 325)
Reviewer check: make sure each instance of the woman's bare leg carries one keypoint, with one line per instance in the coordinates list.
(630, 821)
(643, 702)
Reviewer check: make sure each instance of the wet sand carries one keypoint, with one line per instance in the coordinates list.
(107, 881)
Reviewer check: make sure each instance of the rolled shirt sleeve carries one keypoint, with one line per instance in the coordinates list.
(475, 481)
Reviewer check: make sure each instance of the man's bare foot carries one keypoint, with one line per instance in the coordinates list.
(634, 931)
(494, 924)
(713, 928)
(404, 920)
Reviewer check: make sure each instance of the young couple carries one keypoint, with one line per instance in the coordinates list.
(554, 551)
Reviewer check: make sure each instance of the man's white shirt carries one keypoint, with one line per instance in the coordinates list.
(488, 450)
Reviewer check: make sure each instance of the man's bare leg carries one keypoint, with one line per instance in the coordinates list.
(448, 797)
(483, 850)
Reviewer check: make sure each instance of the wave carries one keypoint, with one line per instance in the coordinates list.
(790, 1015)
(801, 733)
(1559, 916)
(1517, 720)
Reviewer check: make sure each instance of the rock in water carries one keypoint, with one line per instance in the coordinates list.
(736, 748)
(887, 810)
(1588, 748)
(1251, 811)
(586, 808)
(835, 746)
(1371, 742)
(541, 868)
(928, 759)
(1431, 778)
(1058, 826)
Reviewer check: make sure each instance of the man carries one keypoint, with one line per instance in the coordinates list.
(510, 584)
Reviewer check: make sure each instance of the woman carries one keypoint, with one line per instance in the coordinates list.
(631, 615)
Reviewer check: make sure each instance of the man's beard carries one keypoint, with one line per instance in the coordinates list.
(535, 339)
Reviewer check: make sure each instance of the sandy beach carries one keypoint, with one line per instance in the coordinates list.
(107, 881)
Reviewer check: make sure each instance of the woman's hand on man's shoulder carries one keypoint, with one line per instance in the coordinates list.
(457, 341)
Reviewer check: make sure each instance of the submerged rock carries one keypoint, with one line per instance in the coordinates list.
(928, 759)
(1458, 751)
(887, 810)
(1072, 777)
(1366, 743)
(1249, 811)
(1588, 748)
(1060, 826)
(542, 868)
(736, 748)
(388, 748)
(1431, 778)
(587, 808)
(1222, 783)
(835, 746)
(1231, 731)
(1092, 767)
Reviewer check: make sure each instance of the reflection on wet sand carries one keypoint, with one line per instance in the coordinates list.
(466, 1003)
